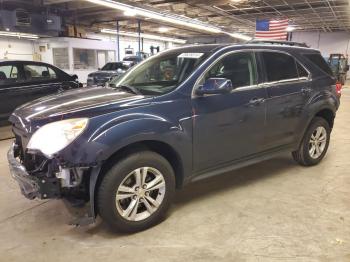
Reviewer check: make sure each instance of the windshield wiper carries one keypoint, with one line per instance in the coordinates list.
(129, 89)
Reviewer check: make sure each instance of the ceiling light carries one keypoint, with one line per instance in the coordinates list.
(147, 36)
(163, 29)
(290, 28)
(240, 36)
(129, 13)
(18, 35)
(167, 18)
(173, 19)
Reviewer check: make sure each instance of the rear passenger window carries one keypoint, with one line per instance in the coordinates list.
(319, 61)
(38, 72)
(52, 73)
(279, 66)
(302, 71)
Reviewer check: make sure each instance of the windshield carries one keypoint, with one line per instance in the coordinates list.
(131, 58)
(162, 73)
(113, 66)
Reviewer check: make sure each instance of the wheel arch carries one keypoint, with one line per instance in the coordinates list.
(326, 114)
(162, 148)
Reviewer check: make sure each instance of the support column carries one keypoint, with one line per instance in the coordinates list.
(139, 32)
(118, 43)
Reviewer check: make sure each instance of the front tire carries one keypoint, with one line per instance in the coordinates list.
(315, 143)
(136, 192)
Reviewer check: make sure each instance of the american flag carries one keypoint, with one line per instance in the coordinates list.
(276, 30)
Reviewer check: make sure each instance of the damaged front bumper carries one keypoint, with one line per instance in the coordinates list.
(31, 186)
(44, 187)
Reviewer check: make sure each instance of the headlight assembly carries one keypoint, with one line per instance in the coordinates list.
(53, 137)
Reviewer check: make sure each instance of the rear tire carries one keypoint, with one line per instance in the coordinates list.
(125, 199)
(315, 143)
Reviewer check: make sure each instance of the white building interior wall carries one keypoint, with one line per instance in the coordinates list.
(23, 49)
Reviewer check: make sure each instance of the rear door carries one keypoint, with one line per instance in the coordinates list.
(288, 87)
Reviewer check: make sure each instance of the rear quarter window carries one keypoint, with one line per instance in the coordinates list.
(318, 60)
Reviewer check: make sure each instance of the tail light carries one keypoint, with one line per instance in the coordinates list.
(338, 88)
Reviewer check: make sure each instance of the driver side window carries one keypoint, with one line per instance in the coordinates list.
(240, 68)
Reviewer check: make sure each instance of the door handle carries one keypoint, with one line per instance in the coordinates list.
(306, 91)
(256, 101)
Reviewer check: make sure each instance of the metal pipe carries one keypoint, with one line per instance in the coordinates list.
(118, 42)
(139, 32)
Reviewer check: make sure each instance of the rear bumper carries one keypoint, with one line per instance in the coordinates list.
(32, 186)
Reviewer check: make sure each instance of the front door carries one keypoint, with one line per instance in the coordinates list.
(231, 126)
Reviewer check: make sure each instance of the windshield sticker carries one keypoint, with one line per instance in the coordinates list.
(190, 55)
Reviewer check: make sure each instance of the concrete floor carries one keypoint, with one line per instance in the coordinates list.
(272, 211)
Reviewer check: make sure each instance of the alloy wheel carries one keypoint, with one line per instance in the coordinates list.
(318, 142)
(140, 194)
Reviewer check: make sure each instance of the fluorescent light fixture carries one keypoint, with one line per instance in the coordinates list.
(167, 18)
(173, 19)
(147, 36)
(239, 36)
(290, 28)
(18, 35)
(163, 29)
(129, 13)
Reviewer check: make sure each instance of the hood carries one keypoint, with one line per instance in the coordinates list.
(84, 102)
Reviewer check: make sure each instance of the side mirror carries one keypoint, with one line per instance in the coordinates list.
(215, 86)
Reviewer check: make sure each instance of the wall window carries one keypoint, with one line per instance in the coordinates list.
(279, 66)
(61, 58)
(84, 58)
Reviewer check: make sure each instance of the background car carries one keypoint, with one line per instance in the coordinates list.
(132, 60)
(24, 81)
(110, 70)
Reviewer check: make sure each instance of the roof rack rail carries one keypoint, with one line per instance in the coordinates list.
(276, 42)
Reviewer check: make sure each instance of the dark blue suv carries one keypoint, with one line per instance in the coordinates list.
(177, 117)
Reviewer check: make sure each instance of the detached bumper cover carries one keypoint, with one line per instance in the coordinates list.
(32, 186)
(44, 187)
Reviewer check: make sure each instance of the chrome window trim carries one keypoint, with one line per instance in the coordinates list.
(309, 78)
(196, 85)
(259, 85)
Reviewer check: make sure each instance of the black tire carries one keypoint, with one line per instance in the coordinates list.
(106, 197)
(302, 155)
